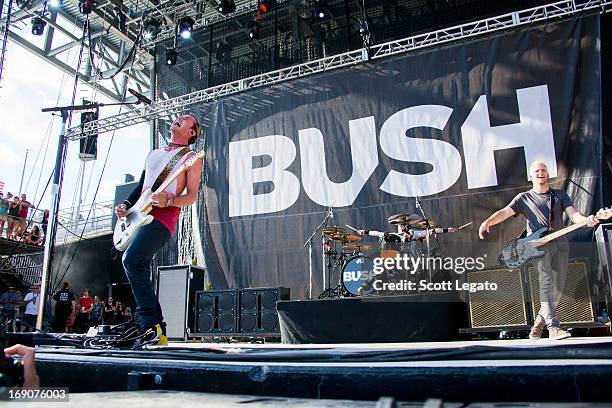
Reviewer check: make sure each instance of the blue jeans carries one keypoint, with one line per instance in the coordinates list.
(137, 264)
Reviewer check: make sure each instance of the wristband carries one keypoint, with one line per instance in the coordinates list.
(444, 230)
(366, 232)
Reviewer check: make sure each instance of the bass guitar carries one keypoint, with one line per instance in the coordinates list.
(138, 215)
(517, 252)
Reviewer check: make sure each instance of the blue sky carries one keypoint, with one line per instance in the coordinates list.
(30, 84)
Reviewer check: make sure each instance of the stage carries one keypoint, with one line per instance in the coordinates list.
(575, 370)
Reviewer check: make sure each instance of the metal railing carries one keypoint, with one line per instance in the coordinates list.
(27, 267)
(84, 221)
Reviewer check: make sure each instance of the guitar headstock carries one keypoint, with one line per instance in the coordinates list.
(194, 158)
(604, 213)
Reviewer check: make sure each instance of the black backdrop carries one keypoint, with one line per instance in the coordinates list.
(552, 71)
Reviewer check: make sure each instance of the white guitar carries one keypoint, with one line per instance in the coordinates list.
(138, 215)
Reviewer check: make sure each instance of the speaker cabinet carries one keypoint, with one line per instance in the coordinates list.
(217, 311)
(504, 307)
(575, 304)
(88, 145)
(176, 291)
(258, 309)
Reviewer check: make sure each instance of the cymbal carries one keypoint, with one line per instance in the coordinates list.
(356, 247)
(423, 224)
(344, 238)
(334, 230)
(404, 219)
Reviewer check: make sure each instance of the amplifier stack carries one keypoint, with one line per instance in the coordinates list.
(239, 312)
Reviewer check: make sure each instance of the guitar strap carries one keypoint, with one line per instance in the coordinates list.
(551, 213)
(164, 173)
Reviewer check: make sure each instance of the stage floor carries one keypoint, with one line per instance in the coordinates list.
(577, 369)
(544, 342)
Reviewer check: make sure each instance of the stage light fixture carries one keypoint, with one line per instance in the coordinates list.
(171, 56)
(54, 4)
(120, 19)
(38, 26)
(151, 28)
(226, 6)
(320, 10)
(86, 6)
(266, 5)
(253, 31)
(185, 27)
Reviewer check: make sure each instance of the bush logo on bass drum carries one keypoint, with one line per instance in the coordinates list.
(356, 272)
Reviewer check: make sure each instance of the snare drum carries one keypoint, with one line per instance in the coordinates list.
(355, 272)
(390, 246)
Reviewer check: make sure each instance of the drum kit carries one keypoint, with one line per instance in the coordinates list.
(346, 254)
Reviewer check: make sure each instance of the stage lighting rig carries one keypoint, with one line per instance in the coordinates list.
(266, 5)
(87, 6)
(171, 56)
(185, 27)
(54, 4)
(320, 10)
(253, 31)
(120, 19)
(226, 6)
(38, 25)
(151, 28)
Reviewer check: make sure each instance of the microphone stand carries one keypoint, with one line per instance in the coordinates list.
(56, 189)
(427, 229)
(328, 215)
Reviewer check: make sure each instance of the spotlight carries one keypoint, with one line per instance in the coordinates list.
(87, 6)
(266, 5)
(38, 26)
(253, 31)
(171, 56)
(320, 11)
(54, 4)
(151, 28)
(226, 6)
(184, 27)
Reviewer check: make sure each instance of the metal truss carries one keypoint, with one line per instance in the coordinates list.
(109, 45)
(502, 22)
(179, 104)
(198, 11)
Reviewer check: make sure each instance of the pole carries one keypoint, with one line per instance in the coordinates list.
(56, 189)
(23, 171)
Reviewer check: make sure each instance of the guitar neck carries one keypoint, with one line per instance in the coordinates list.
(560, 233)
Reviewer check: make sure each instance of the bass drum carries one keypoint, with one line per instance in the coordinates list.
(355, 272)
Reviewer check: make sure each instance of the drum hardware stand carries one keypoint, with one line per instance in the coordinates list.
(427, 229)
(329, 214)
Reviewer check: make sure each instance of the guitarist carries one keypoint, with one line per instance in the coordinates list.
(543, 206)
(166, 210)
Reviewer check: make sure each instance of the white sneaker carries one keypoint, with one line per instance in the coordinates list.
(557, 333)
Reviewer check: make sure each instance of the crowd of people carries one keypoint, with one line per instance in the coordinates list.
(14, 214)
(71, 315)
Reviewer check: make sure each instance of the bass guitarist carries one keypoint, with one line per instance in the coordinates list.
(166, 210)
(543, 206)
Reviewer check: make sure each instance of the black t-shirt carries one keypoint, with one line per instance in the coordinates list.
(14, 211)
(64, 298)
(536, 209)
